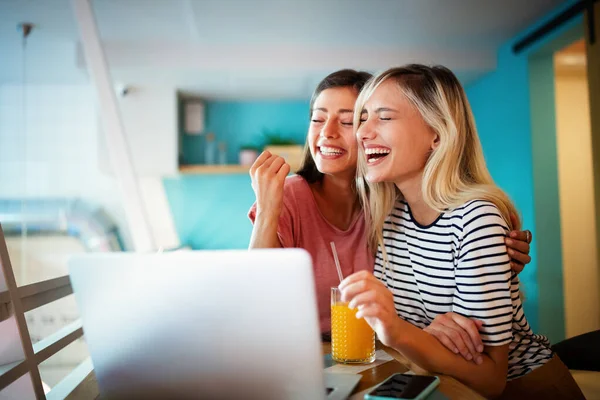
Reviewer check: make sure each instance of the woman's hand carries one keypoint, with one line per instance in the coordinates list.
(459, 334)
(375, 304)
(518, 248)
(268, 176)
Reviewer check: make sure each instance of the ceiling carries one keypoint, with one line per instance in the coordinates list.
(259, 48)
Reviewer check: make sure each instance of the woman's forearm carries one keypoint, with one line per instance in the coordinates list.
(488, 378)
(264, 232)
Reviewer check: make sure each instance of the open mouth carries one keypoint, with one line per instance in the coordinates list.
(331, 152)
(375, 154)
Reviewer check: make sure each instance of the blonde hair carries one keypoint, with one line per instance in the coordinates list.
(455, 171)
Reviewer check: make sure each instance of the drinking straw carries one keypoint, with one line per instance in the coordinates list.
(337, 262)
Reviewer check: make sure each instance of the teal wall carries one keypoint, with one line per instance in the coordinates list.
(500, 103)
(210, 211)
(242, 123)
(505, 114)
(546, 189)
(546, 195)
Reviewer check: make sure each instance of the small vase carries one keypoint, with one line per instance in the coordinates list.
(222, 153)
(210, 149)
(247, 157)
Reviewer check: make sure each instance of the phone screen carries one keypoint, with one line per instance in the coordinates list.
(402, 386)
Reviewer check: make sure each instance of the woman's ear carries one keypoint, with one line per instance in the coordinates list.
(436, 142)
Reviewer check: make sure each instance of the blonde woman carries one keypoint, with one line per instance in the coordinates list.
(439, 224)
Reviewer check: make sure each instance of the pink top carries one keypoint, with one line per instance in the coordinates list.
(301, 224)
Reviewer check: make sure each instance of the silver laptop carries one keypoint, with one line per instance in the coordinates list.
(204, 324)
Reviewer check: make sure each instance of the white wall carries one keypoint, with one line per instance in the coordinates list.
(63, 153)
(56, 154)
(150, 121)
(576, 191)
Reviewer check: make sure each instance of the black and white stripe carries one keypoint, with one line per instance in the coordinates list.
(459, 264)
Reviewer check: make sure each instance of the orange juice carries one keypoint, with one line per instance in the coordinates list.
(352, 340)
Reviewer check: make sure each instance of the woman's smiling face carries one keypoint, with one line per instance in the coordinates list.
(332, 141)
(395, 138)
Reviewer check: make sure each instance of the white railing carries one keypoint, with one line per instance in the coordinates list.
(18, 356)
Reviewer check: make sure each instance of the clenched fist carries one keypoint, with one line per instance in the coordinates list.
(268, 176)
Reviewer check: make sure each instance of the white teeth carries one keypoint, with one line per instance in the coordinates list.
(377, 150)
(329, 151)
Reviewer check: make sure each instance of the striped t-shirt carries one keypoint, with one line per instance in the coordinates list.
(459, 264)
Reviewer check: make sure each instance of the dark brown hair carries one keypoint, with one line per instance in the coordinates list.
(342, 78)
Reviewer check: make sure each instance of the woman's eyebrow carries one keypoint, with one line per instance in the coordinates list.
(340, 111)
(384, 109)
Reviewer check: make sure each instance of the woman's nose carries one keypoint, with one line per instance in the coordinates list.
(365, 131)
(329, 131)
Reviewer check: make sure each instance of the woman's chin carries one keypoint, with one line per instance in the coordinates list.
(336, 169)
(374, 178)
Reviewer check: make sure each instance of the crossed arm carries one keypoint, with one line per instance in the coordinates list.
(375, 303)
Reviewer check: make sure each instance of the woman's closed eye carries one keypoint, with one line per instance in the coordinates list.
(364, 116)
(363, 119)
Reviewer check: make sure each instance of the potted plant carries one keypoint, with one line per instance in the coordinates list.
(275, 143)
(248, 154)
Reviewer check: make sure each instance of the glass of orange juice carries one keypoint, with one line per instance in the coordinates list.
(352, 339)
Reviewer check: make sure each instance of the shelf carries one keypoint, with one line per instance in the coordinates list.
(214, 169)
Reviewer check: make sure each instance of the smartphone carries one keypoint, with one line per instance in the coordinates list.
(404, 386)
